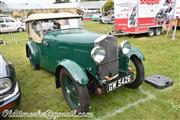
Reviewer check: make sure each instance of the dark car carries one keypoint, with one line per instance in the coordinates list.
(9, 87)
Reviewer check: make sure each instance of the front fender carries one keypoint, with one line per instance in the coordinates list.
(136, 52)
(75, 70)
(32, 47)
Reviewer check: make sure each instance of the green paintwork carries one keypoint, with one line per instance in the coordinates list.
(74, 45)
(34, 51)
(72, 49)
(137, 52)
(123, 61)
(76, 71)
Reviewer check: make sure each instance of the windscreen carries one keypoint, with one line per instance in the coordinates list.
(61, 24)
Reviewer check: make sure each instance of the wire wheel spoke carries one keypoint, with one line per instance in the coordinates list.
(75, 99)
(71, 92)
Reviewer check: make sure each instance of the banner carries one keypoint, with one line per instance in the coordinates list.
(177, 10)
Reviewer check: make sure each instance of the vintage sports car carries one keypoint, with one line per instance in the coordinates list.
(9, 87)
(81, 60)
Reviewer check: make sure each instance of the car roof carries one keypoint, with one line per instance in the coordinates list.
(2, 15)
(46, 16)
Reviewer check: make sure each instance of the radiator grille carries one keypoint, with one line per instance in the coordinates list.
(110, 65)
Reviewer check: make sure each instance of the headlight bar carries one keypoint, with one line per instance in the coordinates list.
(98, 54)
(5, 85)
(125, 46)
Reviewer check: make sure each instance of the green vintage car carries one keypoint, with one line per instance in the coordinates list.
(82, 61)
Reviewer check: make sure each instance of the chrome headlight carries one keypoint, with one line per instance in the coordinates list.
(98, 54)
(5, 85)
(125, 46)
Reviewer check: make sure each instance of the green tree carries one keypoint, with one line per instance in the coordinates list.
(89, 0)
(109, 5)
(79, 11)
(61, 1)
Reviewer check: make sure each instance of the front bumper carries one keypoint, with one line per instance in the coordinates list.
(11, 100)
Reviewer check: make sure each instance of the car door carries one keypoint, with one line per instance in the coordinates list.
(48, 54)
(3, 26)
(11, 24)
(44, 44)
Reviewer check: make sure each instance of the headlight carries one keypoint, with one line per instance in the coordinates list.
(125, 46)
(5, 85)
(98, 54)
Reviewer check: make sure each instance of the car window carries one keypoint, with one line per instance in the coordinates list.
(75, 23)
(36, 31)
(36, 27)
(48, 25)
(1, 20)
(9, 19)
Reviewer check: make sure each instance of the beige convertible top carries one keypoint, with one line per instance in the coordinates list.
(45, 16)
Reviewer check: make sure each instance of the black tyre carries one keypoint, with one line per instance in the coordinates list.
(20, 30)
(76, 95)
(138, 70)
(151, 32)
(158, 31)
(101, 22)
(34, 66)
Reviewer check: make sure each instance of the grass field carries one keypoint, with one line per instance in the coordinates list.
(146, 103)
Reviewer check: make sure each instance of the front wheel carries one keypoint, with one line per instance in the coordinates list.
(34, 66)
(76, 95)
(101, 22)
(137, 68)
(20, 30)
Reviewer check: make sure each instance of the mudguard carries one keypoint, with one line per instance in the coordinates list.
(32, 46)
(75, 70)
(136, 52)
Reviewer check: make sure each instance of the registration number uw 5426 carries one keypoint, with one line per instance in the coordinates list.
(118, 83)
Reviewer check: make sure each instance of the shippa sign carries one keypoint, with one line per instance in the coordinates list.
(177, 10)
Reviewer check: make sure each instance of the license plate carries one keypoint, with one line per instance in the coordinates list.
(118, 83)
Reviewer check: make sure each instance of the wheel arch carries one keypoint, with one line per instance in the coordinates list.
(136, 52)
(77, 72)
(32, 47)
(20, 28)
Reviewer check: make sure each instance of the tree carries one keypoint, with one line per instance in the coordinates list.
(79, 11)
(109, 5)
(61, 1)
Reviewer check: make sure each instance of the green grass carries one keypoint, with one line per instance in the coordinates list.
(162, 56)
